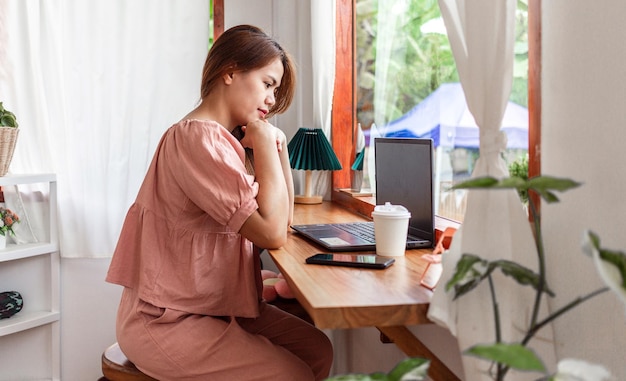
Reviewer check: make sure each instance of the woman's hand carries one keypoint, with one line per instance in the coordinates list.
(281, 139)
(259, 129)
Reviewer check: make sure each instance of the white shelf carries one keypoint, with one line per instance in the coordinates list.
(27, 320)
(30, 341)
(27, 250)
(27, 179)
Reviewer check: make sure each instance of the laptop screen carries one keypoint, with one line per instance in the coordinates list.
(404, 176)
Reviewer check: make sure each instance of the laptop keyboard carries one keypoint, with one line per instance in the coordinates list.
(364, 230)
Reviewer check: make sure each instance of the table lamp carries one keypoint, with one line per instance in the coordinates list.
(358, 161)
(357, 172)
(309, 150)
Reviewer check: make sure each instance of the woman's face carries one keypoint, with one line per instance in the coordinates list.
(251, 93)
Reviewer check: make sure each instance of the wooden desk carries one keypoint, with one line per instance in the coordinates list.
(338, 297)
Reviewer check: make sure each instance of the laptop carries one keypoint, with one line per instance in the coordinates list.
(404, 176)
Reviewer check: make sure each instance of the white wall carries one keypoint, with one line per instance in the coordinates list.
(88, 309)
(583, 137)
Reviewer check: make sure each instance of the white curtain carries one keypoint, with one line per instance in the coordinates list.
(481, 34)
(390, 42)
(94, 84)
(323, 65)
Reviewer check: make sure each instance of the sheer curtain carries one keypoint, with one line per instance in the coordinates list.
(481, 34)
(391, 47)
(390, 44)
(94, 84)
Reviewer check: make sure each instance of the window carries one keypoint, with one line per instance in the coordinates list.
(354, 97)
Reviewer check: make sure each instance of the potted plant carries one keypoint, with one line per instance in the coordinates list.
(8, 218)
(7, 118)
(8, 137)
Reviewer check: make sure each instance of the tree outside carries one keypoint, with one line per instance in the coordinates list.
(403, 55)
(420, 58)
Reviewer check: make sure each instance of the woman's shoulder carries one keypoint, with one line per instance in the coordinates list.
(199, 127)
(194, 134)
(201, 123)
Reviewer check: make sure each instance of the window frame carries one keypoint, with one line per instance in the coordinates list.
(344, 103)
(218, 18)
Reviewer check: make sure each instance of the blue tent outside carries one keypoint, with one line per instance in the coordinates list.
(444, 117)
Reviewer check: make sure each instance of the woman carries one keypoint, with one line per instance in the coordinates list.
(191, 306)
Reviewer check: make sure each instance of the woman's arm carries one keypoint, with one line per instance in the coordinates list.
(266, 227)
(284, 161)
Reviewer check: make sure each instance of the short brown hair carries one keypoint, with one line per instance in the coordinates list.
(243, 48)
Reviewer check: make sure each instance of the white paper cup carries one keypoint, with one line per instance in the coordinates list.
(391, 224)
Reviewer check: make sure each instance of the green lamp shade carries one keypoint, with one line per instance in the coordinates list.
(310, 150)
(358, 161)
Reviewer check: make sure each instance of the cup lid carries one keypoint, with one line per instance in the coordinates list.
(390, 210)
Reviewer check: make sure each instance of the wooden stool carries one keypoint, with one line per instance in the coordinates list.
(116, 367)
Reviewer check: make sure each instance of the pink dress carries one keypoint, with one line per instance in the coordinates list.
(191, 306)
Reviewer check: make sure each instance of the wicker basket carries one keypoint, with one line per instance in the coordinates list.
(8, 137)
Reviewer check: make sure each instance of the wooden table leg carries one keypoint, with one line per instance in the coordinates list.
(404, 339)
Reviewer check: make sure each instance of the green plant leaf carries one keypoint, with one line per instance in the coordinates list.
(521, 274)
(548, 196)
(515, 356)
(7, 118)
(463, 267)
(479, 182)
(512, 182)
(594, 239)
(409, 369)
(470, 271)
(617, 259)
(413, 369)
(543, 185)
(464, 288)
(552, 183)
(612, 258)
